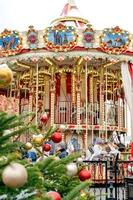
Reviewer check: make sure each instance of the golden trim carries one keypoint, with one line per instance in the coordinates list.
(70, 19)
(23, 65)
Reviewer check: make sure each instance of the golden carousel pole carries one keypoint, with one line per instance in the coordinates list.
(95, 89)
(18, 95)
(52, 96)
(73, 89)
(92, 129)
(113, 87)
(101, 100)
(106, 97)
(52, 90)
(78, 92)
(86, 114)
(37, 82)
(119, 104)
(91, 103)
(30, 93)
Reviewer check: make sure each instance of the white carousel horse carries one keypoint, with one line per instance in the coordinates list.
(101, 151)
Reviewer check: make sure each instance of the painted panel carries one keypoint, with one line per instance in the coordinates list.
(60, 38)
(115, 40)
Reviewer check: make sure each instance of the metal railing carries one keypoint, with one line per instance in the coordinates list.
(108, 178)
(66, 113)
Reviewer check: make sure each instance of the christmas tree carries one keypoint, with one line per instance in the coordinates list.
(49, 178)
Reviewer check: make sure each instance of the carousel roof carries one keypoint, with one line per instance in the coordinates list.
(71, 16)
(70, 35)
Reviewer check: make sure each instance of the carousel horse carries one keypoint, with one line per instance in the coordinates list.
(102, 151)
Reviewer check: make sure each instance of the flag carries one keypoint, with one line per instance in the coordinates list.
(68, 7)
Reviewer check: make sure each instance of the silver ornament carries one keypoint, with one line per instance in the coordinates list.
(62, 127)
(72, 169)
(79, 160)
(14, 175)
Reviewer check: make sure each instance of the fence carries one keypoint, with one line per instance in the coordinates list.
(108, 178)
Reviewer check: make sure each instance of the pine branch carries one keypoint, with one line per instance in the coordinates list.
(6, 121)
(6, 160)
(63, 161)
(14, 133)
(49, 133)
(10, 147)
(45, 163)
(24, 115)
(14, 125)
(72, 194)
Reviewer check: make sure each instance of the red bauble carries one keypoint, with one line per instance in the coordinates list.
(46, 147)
(44, 118)
(84, 174)
(54, 195)
(56, 137)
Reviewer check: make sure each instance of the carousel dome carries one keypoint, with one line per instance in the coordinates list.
(71, 16)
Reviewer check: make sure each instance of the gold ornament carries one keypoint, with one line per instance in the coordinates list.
(14, 175)
(28, 146)
(38, 140)
(6, 75)
(83, 194)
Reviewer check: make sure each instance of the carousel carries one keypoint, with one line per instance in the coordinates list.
(70, 75)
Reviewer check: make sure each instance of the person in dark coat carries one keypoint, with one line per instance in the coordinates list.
(62, 150)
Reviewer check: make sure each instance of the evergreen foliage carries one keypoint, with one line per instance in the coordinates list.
(43, 176)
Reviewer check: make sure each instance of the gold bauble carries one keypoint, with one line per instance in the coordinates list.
(28, 146)
(38, 140)
(14, 175)
(83, 194)
(6, 75)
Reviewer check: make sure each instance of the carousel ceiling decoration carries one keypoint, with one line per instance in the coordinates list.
(88, 37)
(10, 42)
(60, 38)
(115, 40)
(32, 38)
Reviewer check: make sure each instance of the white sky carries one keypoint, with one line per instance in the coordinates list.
(19, 14)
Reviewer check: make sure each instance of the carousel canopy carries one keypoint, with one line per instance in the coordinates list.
(70, 35)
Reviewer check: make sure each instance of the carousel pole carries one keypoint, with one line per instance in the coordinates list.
(113, 91)
(92, 108)
(43, 97)
(78, 94)
(86, 105)
(18, 95)
(73, 89)
(30, 94)
(101, 100)
(37, 81)
(52, 97)
(92, 104)
(52, 90)
(95, 89)
(106, 97)
(119, 105)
